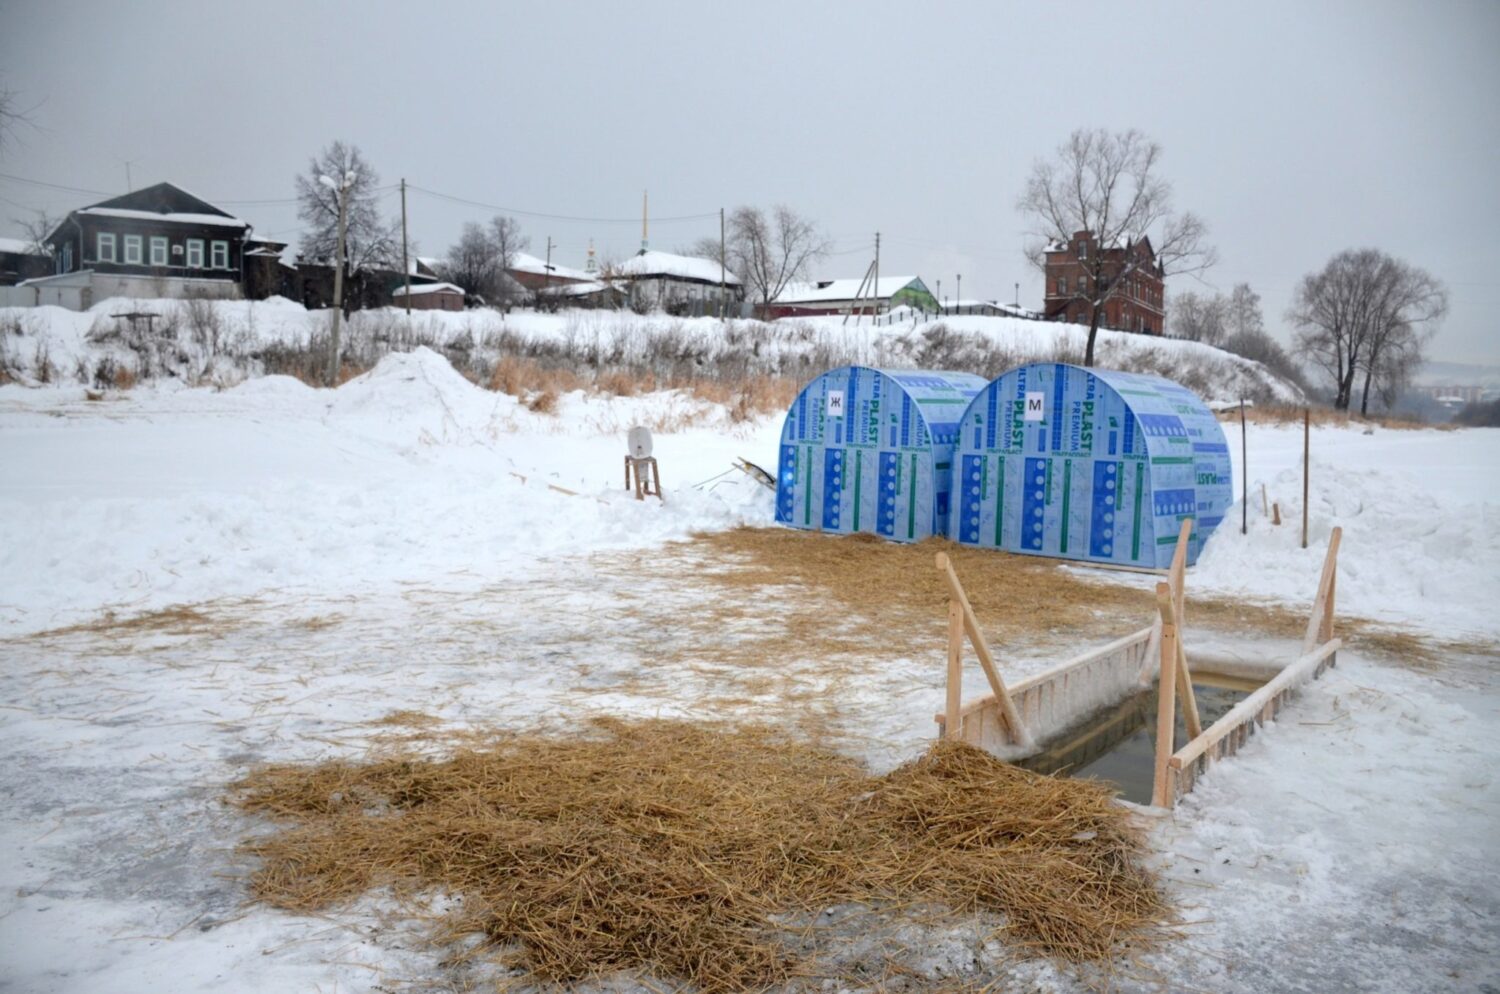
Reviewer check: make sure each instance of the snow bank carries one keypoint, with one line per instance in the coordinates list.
(220, 341)
(407, 473)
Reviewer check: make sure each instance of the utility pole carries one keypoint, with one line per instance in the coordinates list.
(548, 278)
(940, 296)
(723, 302)
(405, 262)
(341, 190)
(876, 294)
(1018, 296)
(959, 293)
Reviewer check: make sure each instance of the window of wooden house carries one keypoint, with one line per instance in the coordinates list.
(158, 250)
(195, 253)
(104, 247)
(132, 250)
(220, 255)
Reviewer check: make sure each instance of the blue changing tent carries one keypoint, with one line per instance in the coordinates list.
(1059, 460)
(871, 450)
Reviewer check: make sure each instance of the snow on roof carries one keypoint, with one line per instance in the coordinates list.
(525, 263)
(121, 212)
(422, 288)
(825, 291)
(20, 246)
(576, 289)
(683, 267)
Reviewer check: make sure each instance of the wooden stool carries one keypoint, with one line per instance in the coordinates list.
(647, 478)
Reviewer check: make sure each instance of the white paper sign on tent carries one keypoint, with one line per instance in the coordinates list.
(835, 403)
(1036, 403)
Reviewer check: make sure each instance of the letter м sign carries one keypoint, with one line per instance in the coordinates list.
(1036, 404)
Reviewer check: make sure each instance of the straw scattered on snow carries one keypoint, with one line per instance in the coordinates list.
(686, 848)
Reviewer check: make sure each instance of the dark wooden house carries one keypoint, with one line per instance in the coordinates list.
(160, 241)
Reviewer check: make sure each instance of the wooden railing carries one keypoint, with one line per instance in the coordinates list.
(1176, 772)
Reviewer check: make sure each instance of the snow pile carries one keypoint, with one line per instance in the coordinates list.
(409, 472)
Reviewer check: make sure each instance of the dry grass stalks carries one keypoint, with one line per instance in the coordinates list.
(692, 849)
(1286, 414)
(1017, 598)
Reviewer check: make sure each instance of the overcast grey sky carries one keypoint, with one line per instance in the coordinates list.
(1295, 130)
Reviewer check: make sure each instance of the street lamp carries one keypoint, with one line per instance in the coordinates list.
(340, 190)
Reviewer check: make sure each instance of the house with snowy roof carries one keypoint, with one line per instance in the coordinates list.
(849, 295)
(21, 260)
(665, 281)
(539, 274)
(159, 241)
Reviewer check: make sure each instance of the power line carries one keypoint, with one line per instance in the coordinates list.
(559, 217)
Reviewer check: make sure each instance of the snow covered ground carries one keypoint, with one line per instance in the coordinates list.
(221, 342)
(394, 546)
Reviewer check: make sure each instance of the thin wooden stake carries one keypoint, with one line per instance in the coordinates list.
(1166, 704)
(1265, 503)
(952, 719)
(1306, 462)
(1276, 514)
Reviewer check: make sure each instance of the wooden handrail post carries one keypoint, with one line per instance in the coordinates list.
(969, 624)
(1177, 576)
(1320, 625)
(1166, 709)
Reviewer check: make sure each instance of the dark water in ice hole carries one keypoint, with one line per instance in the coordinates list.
(1118, 744)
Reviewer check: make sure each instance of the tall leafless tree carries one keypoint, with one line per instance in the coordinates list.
(769, 251)
(483, 254)
(506, 239)
(1366, 312)
(1109, 184)
(37, 227)
(13, 117)
(1198, 317)
(370, 240)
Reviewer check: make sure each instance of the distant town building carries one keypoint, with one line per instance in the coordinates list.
(847, 295)
(1139, 305)
(160, 241)
(664, 281)
(538, 274)
(20, 260)
(429, 297)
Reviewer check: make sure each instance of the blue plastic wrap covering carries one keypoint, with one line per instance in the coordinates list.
(1094, 464)
(870, 450)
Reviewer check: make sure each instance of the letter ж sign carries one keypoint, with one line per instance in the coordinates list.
(835, 403)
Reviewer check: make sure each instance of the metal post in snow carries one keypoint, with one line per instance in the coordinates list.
(1244, 474)
(1306, 461)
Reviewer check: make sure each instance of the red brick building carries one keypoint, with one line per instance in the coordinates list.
(1076, 267)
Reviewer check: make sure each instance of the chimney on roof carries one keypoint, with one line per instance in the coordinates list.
(591, 266)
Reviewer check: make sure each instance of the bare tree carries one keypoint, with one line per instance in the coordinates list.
(506, 239)
(1109, 184)
(1198, 318)
(37, 228)
(12, 118)
(370, 241)
(769, 252)
(471, 262)
(1366, 311)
